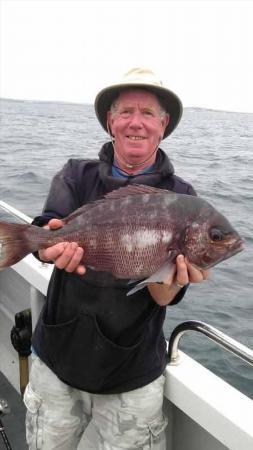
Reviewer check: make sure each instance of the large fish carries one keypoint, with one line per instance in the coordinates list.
(135, 233)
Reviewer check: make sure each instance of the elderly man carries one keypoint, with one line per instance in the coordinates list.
(99, 355)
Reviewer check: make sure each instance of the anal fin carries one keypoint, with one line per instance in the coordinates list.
(165, 273)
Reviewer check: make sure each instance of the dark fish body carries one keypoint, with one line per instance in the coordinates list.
(132, 232)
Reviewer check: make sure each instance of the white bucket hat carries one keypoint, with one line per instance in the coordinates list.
(143, 79)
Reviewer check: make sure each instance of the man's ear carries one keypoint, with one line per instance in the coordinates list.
(109, 123)
(165, 121)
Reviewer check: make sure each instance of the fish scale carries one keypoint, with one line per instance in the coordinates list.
(125, 261)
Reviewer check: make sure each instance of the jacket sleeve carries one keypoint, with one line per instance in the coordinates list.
(63, 196)
(191, 191)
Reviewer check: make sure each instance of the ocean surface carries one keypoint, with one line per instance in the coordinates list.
(211, 149)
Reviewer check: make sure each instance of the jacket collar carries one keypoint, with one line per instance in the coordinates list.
(163, 168)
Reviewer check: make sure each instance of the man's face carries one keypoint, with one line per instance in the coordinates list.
(137, 126)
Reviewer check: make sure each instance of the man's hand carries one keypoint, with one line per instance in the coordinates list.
(65, 255)
(185, 273)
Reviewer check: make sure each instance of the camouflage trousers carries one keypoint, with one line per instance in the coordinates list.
(58, 415)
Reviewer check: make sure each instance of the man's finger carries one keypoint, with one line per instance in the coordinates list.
(196, 275)
(80, 269)
(75, 260)
(52, 253)
(53, 224)
(64, 259)
(182, 278)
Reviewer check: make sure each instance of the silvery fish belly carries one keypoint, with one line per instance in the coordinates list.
(133, 232)
(127, 250)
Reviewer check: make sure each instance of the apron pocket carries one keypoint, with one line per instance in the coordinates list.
(82, 356)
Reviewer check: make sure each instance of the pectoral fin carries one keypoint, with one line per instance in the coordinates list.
(164, 274)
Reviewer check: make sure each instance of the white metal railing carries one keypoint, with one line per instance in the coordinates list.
(15, 212)
(212, 333)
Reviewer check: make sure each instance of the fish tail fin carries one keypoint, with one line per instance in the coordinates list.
(14, 243)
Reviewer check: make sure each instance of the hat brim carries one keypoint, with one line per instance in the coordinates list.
(170, 102)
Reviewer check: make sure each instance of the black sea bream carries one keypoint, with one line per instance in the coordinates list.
(134, 232)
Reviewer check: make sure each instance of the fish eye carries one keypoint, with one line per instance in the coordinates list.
(216, 234)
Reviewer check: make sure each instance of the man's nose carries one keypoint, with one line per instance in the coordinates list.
(136, 120)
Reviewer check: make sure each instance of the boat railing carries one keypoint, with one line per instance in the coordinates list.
(212, 333)
(15, 212)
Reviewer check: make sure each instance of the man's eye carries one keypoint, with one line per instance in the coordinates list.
(125, 112)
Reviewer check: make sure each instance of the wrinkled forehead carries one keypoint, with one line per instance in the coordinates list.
(140, 96)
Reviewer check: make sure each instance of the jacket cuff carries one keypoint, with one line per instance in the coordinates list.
(40, 221)
(179, 296)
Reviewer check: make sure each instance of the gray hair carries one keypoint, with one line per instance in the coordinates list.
(114, 107)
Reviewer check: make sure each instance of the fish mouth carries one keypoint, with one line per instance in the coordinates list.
(237, 246)
(233, 247)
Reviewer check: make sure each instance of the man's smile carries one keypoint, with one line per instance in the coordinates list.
(136, 138)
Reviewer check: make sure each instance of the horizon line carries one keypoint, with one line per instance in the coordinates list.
(91, 104)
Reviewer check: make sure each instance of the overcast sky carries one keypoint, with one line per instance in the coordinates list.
(68, 50)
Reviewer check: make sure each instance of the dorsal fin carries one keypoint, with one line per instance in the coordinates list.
(134, 189)
(122, 192)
